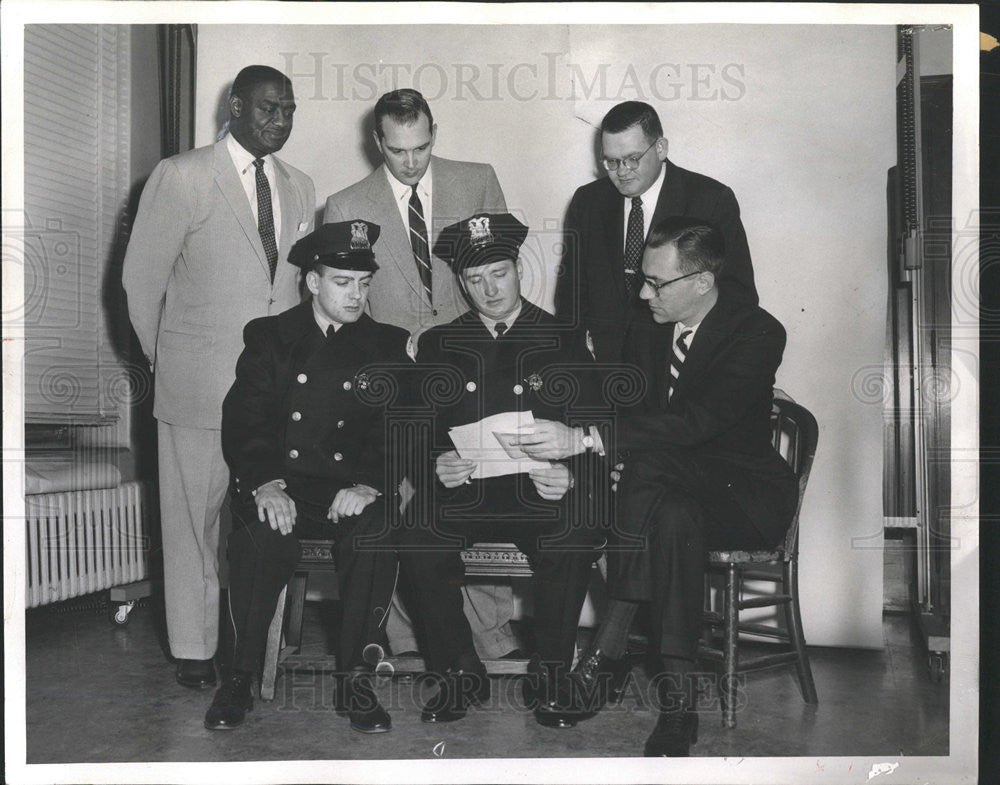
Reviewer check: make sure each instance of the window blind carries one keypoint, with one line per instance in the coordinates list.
(76, 156)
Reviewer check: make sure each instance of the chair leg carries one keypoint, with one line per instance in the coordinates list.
(793, 619)
(296, 608)
(270, 672)
(731, 633)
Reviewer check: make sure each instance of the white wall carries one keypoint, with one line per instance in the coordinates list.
(799, 120)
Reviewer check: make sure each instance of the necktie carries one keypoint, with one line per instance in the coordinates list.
(418, 242)
(678, 355)
(265, 218)
(634, 237)
(500, 328)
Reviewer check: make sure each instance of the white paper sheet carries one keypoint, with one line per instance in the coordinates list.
(488, 442)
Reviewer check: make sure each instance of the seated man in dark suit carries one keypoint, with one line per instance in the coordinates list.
(505, 355)
(306, 445)
(699, 471)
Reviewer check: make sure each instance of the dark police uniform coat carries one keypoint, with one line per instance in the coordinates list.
(540, 365)
(309, 409)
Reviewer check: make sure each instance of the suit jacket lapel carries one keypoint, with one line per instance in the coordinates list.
(673, 199)
(449, 205)
(229, 183)
(614, 231)
(715, 328)
(393, 241)
(291, 210)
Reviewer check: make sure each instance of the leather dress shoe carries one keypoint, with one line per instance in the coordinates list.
(676, 730)
(598, 679)
(196, 674)
(557, 712)
(363, 709)
(231, 703)
(458, 690)
(547, 693)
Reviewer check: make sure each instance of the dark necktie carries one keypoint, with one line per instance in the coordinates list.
(418, 242)
(500, 328)
(678, 354)
(265, 218)
(634, 237)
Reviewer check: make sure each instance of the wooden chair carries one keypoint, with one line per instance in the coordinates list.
(795, 434)
(317, 556)
(283, 646)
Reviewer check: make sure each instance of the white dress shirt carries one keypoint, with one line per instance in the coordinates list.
(680, 327)
(323, 322)
(649, 200)
(402, 192)
(491, 324)
(243, 161)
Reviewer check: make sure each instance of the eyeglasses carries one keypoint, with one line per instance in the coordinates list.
(657, 286)
(631, 163)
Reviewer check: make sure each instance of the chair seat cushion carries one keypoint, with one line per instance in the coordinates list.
(745, 557)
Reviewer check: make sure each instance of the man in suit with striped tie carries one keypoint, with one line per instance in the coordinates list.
(412, 196)
(607, 224)
(695, 466)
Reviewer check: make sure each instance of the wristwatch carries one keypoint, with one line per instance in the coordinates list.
(588, 441)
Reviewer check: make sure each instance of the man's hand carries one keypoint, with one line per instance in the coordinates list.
(550, 440)
(452, 470)
(351, 501)
(275, 506)
(552, 483)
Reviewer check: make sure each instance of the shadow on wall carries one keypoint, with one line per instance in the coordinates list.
(126, 345)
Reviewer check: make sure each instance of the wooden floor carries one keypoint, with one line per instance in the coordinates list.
(100, 693)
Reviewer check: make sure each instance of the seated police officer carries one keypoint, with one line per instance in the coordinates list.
(504, 355)
(305, 443)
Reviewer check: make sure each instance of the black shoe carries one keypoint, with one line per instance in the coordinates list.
(535, 685)
(363, 709)
(547, 692)
(197, 674)
(676, 730)
(458, 690)
(231, 703)
(598, 679)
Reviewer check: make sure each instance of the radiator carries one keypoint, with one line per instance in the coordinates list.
(84, 541)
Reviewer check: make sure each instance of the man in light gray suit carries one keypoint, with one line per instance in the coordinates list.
(208, 253)
(412, 196)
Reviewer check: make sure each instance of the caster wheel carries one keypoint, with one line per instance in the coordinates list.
(120, 614)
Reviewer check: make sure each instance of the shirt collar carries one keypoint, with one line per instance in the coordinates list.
(652, 194)
(680, 327)
(491, 324)
(242, 157)
(402, 190)
(323, 322)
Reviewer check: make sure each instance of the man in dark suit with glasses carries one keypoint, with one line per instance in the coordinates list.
(609, 219)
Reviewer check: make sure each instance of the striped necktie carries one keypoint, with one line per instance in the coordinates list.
(265, 218)
(677, 356)
(500, 328)
(418, 242)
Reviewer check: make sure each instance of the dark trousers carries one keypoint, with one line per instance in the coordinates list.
(561, 557)
(688, 519)
(262, 560)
